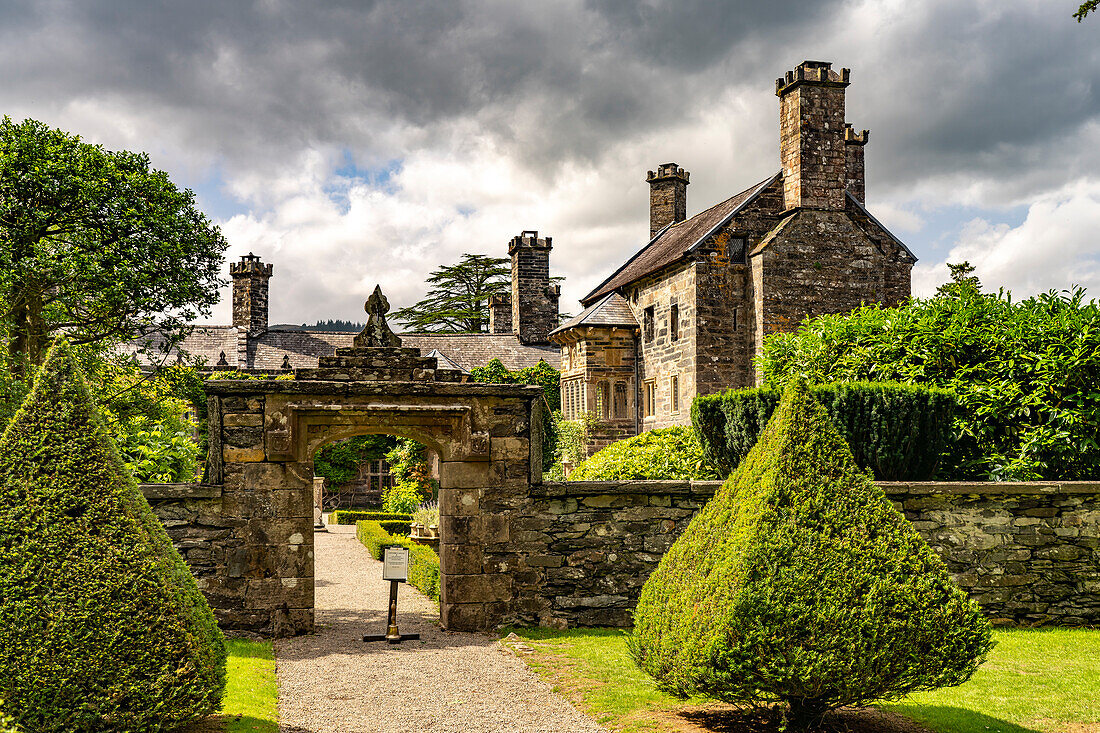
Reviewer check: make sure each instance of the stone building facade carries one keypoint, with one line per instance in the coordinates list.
(694, 305)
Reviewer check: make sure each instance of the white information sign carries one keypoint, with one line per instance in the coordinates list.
(395, 564)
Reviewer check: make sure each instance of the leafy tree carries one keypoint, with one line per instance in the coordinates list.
(102, 626)
(800, 583)
(1024, 372)
(339, 462)
(96, 244)
(458, 296)
(413, 482)
(1085, 9)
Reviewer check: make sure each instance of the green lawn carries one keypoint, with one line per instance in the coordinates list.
(1034, 681)
(250, 694)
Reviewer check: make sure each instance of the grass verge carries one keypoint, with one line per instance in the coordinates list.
(1043, 681)
(250, 694)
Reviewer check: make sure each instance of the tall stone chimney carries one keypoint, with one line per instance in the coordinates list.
(534, 297)
(667, 196)
(811, 136)
(250, 278)
(855, 170)
(500, 313)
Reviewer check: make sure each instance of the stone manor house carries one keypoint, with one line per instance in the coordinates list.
(686, 313)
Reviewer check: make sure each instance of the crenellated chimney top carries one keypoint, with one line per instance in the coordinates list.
(667, 196)
(250, 277)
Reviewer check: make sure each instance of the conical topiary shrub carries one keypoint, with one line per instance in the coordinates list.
(800, 583)
(101, 624)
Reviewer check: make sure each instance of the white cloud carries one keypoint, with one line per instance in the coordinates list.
(1056, 246)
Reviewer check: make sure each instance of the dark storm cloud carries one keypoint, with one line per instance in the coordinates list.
(989, 88)
(551, 79)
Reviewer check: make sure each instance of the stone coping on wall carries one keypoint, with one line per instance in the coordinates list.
(180, 491)
(405, 389)
(707, 488)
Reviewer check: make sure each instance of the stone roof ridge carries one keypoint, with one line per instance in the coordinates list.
(863, 210)
(676, 240)
(611, 310)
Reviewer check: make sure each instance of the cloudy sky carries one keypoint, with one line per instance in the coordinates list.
(353, 142)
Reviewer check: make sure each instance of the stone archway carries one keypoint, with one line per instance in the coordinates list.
(263, 435)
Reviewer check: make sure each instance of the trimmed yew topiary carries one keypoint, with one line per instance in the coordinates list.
(800, 583)
(102, 626)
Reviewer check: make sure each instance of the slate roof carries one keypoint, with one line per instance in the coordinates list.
(676, 240)
(611, 310)
(469, 350)
(303, 348)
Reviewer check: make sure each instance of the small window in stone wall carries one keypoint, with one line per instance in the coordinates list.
(735, 318)
(620, 399)
(674, 394)
(603, 400)
(650, 398)
(572, 399)
(737, 250)
(674, 322)
(647, 323)
(377, 475)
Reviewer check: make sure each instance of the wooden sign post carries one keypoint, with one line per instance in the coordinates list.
(395, 568)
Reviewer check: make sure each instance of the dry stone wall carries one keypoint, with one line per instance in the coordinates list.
(1029, 553)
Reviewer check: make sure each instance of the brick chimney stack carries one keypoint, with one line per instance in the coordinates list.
(854, 166)
(534, 297)
(250, 278)
(667, 196)
(812, 145)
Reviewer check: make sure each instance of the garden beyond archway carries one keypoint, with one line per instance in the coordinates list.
(263, 436)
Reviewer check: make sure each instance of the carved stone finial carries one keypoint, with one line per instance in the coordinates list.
(377, 332)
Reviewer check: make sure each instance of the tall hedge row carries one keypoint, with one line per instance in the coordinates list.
(102, 626)
(898, 431)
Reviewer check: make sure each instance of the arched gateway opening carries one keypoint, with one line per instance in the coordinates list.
(264, 434)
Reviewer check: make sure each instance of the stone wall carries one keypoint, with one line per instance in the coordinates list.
(209, 542)
(663, 357)
(813, 263)
(1028, 553)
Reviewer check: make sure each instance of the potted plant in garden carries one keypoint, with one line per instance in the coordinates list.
(425, 521)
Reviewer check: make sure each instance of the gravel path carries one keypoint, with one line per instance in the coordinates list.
(332, 681)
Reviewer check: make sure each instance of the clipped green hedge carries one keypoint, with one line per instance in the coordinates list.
(423, 562)
(667, 453)
(900, 432)
(396, 527)
(351, 516)
(800, 584)
(102, 626)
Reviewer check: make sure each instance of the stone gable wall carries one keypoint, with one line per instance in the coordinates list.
(1028, 553)
(818, 262)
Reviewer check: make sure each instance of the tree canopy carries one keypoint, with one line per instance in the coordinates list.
(458, 296)
(1085, 9)
(96, 244)
(1024, 371)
